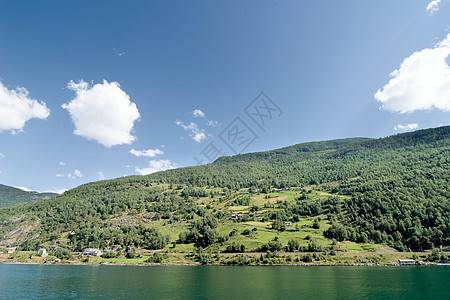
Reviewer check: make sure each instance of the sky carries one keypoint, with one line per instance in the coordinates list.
(93, 90)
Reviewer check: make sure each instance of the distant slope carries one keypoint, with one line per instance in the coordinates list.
(12, 196)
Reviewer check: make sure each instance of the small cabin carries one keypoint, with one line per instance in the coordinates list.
(288, 223)
(405, 262)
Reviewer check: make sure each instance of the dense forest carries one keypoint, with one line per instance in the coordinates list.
(393, 191)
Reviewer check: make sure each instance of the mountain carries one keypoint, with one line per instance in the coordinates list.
(11, 196)
(365, 193)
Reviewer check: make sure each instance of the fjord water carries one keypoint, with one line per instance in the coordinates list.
(214, 282)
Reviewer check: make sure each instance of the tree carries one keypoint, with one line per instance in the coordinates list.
(292, 246)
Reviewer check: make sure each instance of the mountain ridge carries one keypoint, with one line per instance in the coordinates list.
(11, 196)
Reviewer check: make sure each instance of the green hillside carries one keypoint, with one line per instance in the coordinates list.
(12, 196)
(344, 195)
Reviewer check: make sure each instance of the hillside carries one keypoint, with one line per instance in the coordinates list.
(344, 195)
(12, 196)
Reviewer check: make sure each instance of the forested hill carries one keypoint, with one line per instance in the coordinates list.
(318, 162)
(292, 150)
(393, 191)
(11, 196)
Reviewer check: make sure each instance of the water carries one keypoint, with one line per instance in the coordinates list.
(205, 282)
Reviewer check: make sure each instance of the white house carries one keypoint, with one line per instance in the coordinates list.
(92, 252)
(43, 252)
(406, 262)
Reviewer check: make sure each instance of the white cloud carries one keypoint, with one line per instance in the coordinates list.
(147, 153)
(60, 175)
(17, 108)
(407, 127)
(23, 188)
(198, 113)
(213, 123)
(433, 6)
(197, 134)
(100, 175)
(103, 113)
(61, 163)
(1, 155)
(156, 166)
(421, 83)
(57, 191)
(76, 173)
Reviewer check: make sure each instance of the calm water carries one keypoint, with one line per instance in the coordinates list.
(164, 282)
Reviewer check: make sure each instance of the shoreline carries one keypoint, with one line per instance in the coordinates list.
(219, 265)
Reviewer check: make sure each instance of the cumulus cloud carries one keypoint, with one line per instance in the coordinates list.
(59, 175)
(103, 113)
(61, 163)
(1, 155)
(16, 108)
(100, 175)
(407, 127)
(147, 153)
(433, 6)
(76, 174)
(197, 134)
(198, 113)
(156, 166)
(421, 83)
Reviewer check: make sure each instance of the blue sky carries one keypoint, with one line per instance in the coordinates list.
(103, 89)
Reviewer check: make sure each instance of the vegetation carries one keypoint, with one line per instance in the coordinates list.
(322, 198)
(12, 196)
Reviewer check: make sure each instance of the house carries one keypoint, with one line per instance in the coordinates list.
(42, 252)
(12, 250)
(288, 223)
(92, 252)
(404, 262)
(235, 217)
